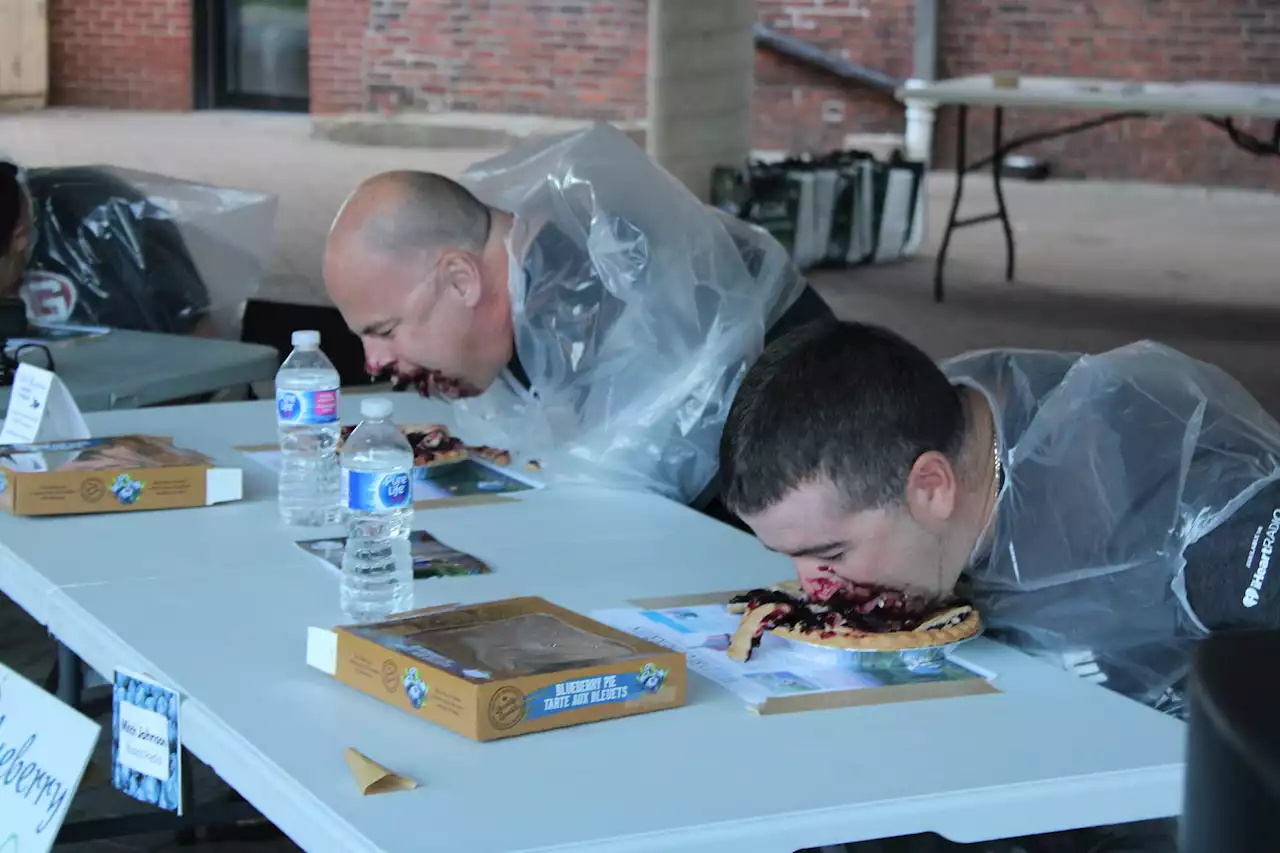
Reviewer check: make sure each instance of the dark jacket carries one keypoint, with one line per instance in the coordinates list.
(105, 255)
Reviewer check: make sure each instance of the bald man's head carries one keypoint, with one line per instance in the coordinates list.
(405, 212)
(414, 265)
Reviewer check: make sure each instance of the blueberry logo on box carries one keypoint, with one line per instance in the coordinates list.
(414, 687)
(127, 490)
(394, 490)
(288, 406)
(651, 678)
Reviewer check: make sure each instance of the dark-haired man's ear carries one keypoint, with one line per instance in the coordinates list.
(462, 275)
(932, 488)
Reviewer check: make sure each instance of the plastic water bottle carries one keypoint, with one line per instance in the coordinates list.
(307, 423)
(377, 493)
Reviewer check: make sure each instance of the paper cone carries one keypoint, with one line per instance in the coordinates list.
(373, 778)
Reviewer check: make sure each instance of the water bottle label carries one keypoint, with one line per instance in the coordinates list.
(365, 491)
(307, 407)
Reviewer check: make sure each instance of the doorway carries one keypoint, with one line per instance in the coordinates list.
(251, 54)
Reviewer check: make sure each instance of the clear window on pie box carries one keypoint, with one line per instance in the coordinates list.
(507, 644)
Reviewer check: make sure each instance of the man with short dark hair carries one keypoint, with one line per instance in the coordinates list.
(1102, 510)
(573, 296)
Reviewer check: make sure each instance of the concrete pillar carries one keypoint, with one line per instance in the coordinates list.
(701, 78)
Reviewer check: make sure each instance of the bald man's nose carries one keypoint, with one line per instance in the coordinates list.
(377, 355)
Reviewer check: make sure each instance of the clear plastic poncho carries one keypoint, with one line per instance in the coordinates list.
(135, 250)
(1115, 464)
(637, 311)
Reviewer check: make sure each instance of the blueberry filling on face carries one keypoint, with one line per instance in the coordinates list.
(863, 608)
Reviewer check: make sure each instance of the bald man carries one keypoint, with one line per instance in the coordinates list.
(418, 268)
(618, 310)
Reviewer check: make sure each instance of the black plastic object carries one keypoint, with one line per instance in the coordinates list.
(106, 254)
(1232, 798)
(799, 49)
(13, 318)
(273, 323)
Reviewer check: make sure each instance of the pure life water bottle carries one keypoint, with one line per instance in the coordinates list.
(307, 423)
(377, 492)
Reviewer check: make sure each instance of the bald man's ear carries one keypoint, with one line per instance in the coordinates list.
(462, 275)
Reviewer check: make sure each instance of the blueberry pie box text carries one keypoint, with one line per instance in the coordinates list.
(112, 474)
(502, 669)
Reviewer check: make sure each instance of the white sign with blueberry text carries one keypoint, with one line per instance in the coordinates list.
(146, 746)
(41, 409)
(45, 746)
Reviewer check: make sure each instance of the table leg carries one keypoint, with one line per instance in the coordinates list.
(962, 158)
(70, 677)
(997, 167)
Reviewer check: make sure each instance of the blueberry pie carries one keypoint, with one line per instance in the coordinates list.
(859, 617)
(433, 445)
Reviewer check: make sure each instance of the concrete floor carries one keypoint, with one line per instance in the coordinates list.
(1099, 265)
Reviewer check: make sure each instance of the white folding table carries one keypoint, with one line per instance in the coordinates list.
(125, 370)
(1218, 103)
(216, 602)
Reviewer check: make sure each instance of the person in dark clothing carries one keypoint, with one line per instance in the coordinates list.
(588, 306)
(1103, 511)
(81, 245)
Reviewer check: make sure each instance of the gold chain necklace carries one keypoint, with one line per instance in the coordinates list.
(995, 457)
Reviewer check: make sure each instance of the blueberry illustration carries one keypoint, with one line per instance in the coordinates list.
(173, 731)
(173, 709)
(173, 764)
(150, 789)
(162, 705)
(121, 776)
(150, 702)
(163, 801)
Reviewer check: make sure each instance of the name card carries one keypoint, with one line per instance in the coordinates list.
(146, 748)
(45, 747)
(41, 409)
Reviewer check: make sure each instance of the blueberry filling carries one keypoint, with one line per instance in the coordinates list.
(862, 608)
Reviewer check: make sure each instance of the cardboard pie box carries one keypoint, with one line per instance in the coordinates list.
(502, 669)
(121, 473)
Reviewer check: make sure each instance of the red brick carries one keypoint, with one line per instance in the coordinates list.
(129, 54)
(587, 59)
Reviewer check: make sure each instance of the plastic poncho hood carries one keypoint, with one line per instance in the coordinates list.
(1115, 464)
(636, 308)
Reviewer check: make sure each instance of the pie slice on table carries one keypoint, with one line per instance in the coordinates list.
(433, 445)
(858, 617)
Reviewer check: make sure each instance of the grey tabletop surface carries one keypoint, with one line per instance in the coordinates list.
(127, 370)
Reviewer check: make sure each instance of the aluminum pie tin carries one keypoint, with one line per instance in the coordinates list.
(860, 660)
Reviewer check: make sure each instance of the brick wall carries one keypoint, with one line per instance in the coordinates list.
(586, 58)
(128, 54)
(1134, 39)
(790, 96)
(1137, 39)
(336, 48)
(580, 58)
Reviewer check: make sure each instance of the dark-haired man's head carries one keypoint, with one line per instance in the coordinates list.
(848, 450)
(418, 267)
(15, 229)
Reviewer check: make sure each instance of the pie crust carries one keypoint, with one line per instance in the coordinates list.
(950, 623)
(448, 447)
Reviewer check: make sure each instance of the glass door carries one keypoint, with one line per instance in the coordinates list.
(252, 54)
